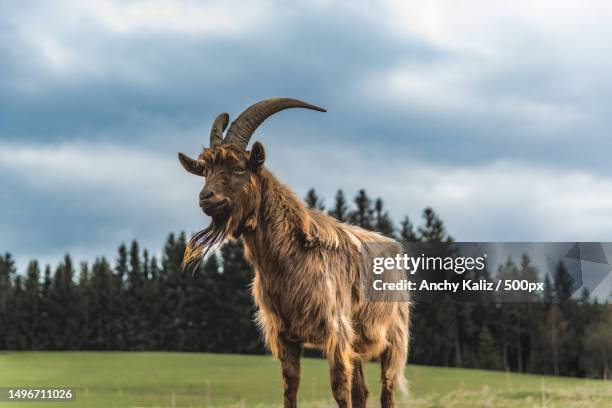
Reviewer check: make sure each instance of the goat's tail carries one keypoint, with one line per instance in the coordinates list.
(393, 359)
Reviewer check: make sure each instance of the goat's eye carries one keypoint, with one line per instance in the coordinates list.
(239, 170)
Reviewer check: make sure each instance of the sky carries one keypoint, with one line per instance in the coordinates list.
(496, 114)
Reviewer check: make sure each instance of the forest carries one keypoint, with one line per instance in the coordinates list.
(138, 301)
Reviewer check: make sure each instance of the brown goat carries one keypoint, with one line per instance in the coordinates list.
(309, 270)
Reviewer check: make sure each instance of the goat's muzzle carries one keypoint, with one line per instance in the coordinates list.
(215, 206)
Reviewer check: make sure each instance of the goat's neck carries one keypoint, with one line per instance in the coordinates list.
(283, 220)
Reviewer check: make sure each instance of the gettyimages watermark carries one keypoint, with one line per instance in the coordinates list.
(488, 271)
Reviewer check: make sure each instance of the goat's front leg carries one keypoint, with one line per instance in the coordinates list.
(341, 372)
(290, 365)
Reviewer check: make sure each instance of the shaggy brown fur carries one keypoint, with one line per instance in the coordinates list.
(309, 275)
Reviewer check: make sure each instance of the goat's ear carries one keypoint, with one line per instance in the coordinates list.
(257, 157)
(192, 166)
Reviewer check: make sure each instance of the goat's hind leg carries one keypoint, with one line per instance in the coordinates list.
(359, 390)
(341, 373)
(392, 363)
(386, 393)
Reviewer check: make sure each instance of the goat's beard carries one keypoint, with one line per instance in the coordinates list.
(204, 241)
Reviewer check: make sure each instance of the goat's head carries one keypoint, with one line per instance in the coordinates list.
(230, 194)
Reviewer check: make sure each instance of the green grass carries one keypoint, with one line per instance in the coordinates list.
(108, 379)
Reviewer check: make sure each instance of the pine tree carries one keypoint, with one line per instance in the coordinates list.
(212, 306)
(597, 343)
(135, 271)
(146, 266)
(121, 266)
(382, 221)
(47, 282)
(118, 325)
(490, 357)
(31, 305)
(433, 230)
(407, 233)
(340, 209)
(153, 268)
(363, 213)
(135, 320)
(548, 295)
(63, 307)
(83, 307)
(563, 283)
(46, 323)
(172, 323)
(526, 315)
(571, 328)
(153, 307)
(7, 274)
(204, 303)
(146, 303)
(17, 327)
(438, 318)
(102, 289)
(313, 201)
(508, 317)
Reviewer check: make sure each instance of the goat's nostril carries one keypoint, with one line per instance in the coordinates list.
(207, 195)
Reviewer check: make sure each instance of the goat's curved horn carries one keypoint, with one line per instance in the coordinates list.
(242, 128)
(219, 125)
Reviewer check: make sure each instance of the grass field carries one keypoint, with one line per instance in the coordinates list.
(215, 380)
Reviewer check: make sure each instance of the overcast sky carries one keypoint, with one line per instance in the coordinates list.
(497, 114)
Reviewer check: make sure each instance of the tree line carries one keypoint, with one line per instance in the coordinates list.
(139, 302)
